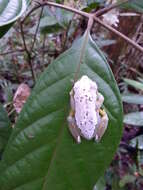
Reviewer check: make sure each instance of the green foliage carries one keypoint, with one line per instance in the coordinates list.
(132, 98)
(136, 5)
(91, 5)
(137, 142)
(135, 84)
(5, 128)
(135, 118)
(41, 153)
(54, 22)
(127, 179)
(49, 24)
(10, 11)
(101, 184)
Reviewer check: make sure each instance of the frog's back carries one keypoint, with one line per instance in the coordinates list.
(85, 95)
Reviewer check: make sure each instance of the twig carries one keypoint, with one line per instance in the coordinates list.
(13, 51)
(66, 34)
(89, 26)
(110, 7)
(133, 43)
(37, 28)
(43, 52)
(31, 11)
(82, 13)
(132, 69)
(88, 15)
(28, 53)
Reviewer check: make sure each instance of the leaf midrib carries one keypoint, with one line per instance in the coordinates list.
(54, 155)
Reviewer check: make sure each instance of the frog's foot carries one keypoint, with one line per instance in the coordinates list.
(103, 125)
(73, 129)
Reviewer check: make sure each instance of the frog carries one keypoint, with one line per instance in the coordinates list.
(87, 118)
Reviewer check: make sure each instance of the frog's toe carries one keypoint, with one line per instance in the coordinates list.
(78, 140)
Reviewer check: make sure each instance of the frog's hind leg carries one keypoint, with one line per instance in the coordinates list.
(73, 129)
(102, 126)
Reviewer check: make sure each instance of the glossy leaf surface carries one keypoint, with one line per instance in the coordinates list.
(41, 153)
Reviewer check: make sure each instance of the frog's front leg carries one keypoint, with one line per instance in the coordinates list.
(102, 125)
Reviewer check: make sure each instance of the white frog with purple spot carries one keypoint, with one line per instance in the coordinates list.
(86, 118)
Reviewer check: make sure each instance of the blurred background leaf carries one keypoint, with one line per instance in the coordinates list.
(132, 98)
(136, 5)
(134, 83)
(127, 179)
(10, 11)
(54, 21)
(135, 118)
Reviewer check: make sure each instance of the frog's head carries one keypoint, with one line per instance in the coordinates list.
(85, 83)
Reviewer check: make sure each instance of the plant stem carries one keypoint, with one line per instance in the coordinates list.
(12, 52)
(66, 34)
(82, 13)
(28, 53)
(35, 35)
(89, 26)
(110, 7)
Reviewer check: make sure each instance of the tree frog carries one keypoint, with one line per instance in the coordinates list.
(86, 119)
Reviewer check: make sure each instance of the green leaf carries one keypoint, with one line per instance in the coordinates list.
(133, 83)
(135, 118)
(54, 22)
(137, 142)
(132, 98)
(10, 11)
(90, 6)
(101, 184)
(41, 153)
(5, 128)
(49, 24)
(127, 179)
(140, 79)
(136, 5)
(63, 16)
